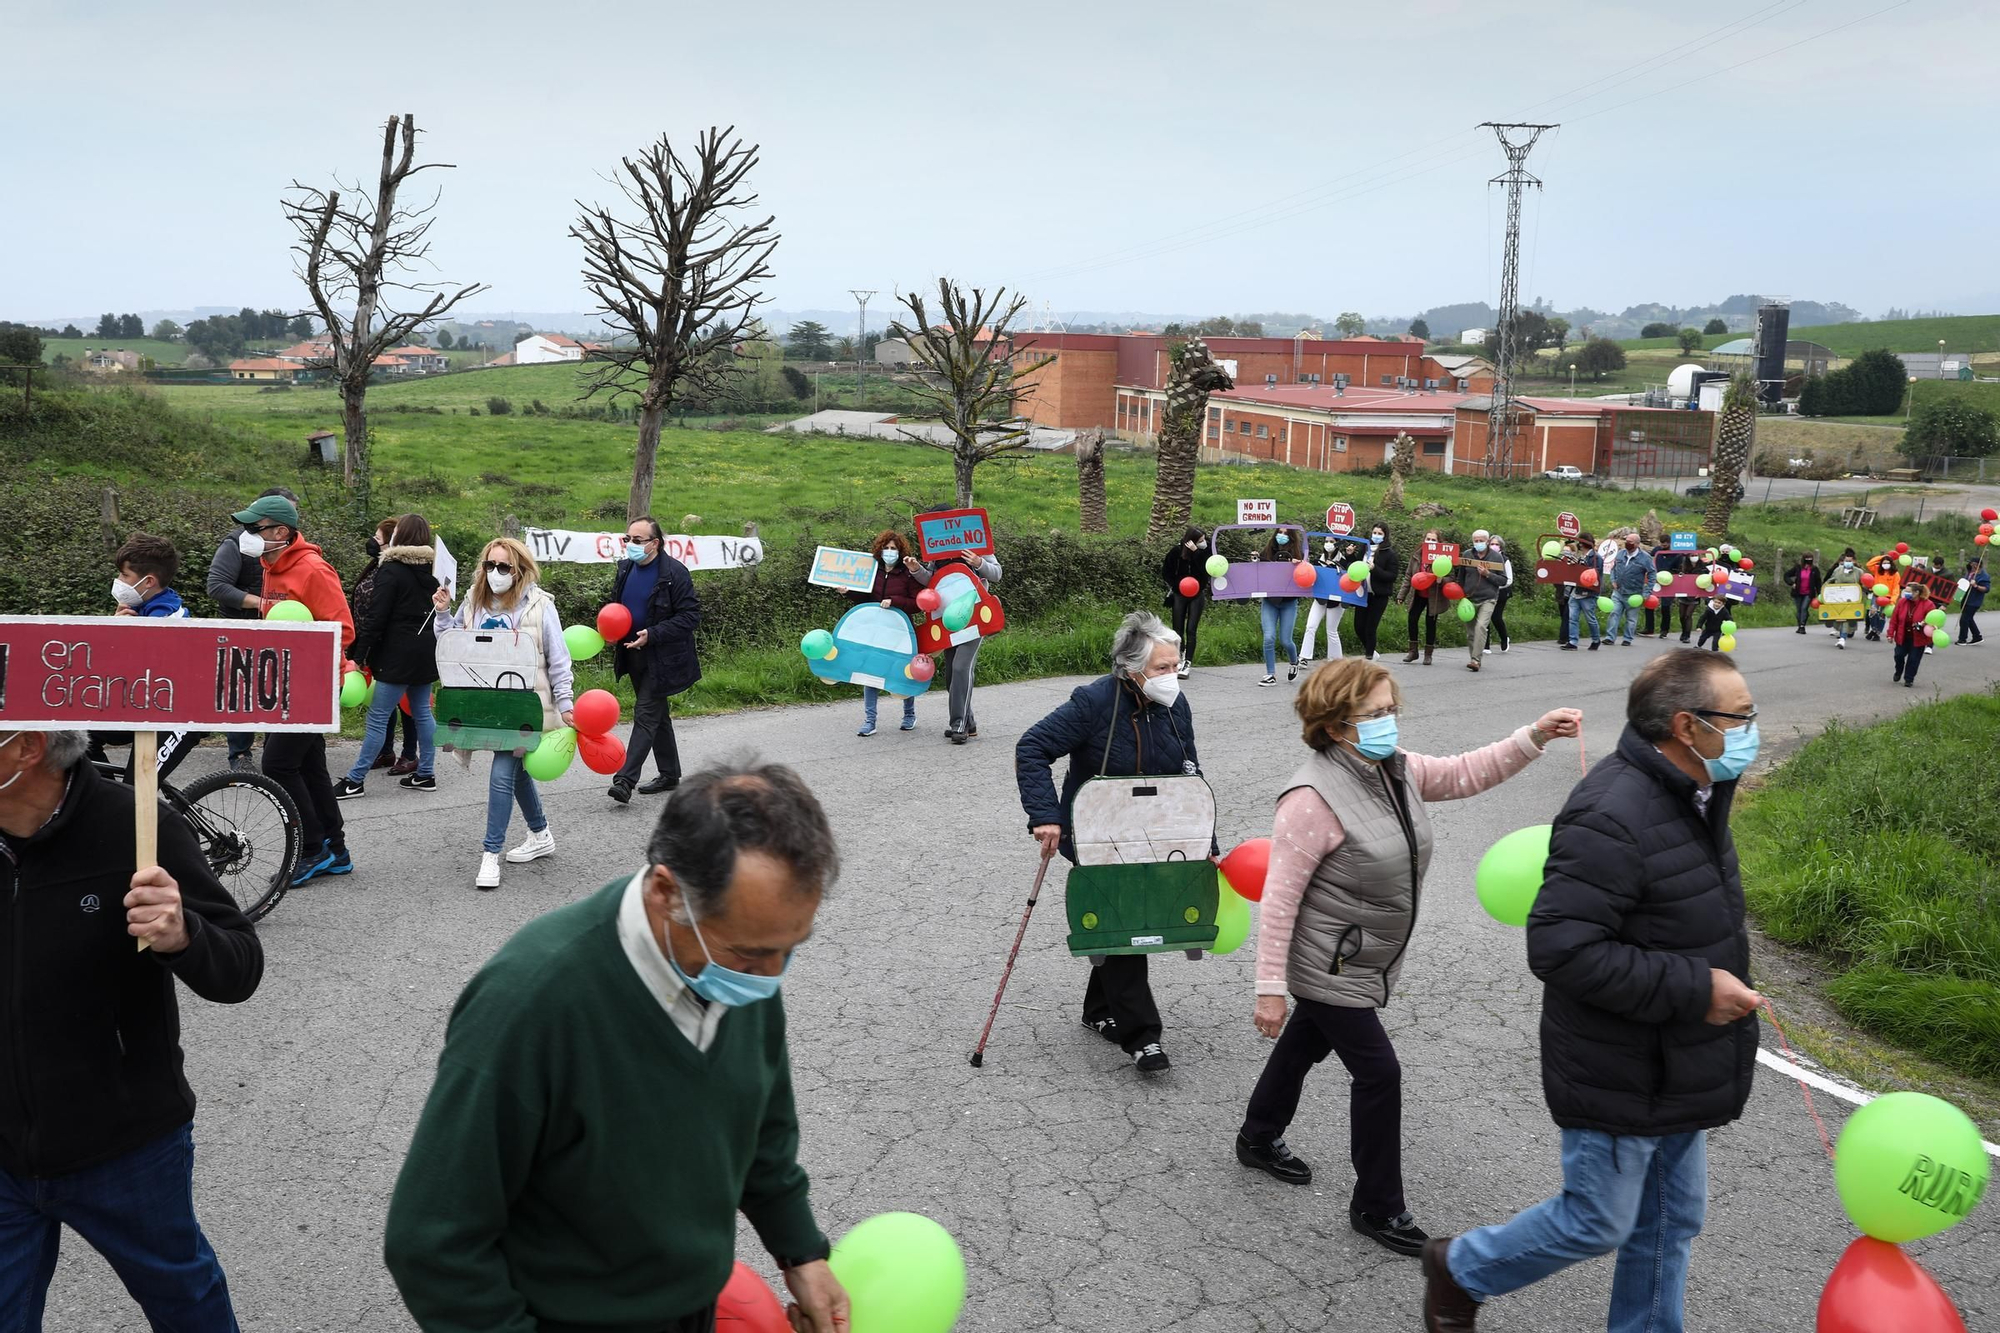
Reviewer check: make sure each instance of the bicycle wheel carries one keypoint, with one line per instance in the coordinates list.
(249, 830)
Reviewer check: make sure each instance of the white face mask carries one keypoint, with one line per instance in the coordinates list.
(1329, 548)
(17, 777)
(890, 556)
(250, 543)
(499, 582)
(1162, 690)
(125, 594)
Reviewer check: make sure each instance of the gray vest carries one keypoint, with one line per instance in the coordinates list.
(1361, 903)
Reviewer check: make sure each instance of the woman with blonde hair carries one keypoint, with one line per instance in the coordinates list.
(504, 593)
(1349, 848)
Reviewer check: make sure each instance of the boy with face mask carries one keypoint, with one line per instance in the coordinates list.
(146, 568)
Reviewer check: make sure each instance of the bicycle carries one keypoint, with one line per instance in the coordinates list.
(247, 827)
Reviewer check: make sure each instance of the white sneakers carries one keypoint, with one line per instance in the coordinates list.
(489, 871)
(533, 848)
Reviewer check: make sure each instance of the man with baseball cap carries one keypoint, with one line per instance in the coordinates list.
(295, 571)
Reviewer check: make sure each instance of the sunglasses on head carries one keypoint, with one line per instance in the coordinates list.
(497, 566)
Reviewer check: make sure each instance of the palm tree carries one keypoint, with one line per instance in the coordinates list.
(1735, 434)
(1090, 481)
(1402, 463)
(1192, 375)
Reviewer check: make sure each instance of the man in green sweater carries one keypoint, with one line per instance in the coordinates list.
(614, 1088)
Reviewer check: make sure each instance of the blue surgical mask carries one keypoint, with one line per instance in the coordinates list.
(1479, 546)
(725, 986)
(634, 552)
(1375, 737)
(1283, 538)
(1739, 751)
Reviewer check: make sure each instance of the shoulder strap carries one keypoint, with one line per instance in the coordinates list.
(1112, 730)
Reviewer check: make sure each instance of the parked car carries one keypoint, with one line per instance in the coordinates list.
(1700, 491)
(1563, 473)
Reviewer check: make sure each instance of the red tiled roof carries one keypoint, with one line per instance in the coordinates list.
(562, 340)
(263, 363)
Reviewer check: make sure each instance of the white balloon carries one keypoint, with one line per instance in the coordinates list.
(1220, 584)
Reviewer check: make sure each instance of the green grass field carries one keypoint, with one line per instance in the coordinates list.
(1876, 846)
(163, 353)
(1961, 333)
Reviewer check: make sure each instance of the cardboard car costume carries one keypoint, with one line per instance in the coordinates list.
(486, 697)
(1143, 881)
(873, 645)
(966, 610)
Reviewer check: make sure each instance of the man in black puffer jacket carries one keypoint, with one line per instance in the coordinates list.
(1648, 1039)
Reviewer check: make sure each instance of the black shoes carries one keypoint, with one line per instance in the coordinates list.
(1447, 1307)
(1106, 1028)
(1400, 1234)
(1274, 1159)
(1150, 1058)
(658, 785)
(621, 791)
(417, 782)
(343, 790)
(955, 737)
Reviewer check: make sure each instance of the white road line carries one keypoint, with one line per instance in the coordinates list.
(1827, 1085)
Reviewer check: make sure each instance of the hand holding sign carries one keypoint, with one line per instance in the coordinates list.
(153, 911)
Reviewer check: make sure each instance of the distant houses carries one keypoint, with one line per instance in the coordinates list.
(540, 349)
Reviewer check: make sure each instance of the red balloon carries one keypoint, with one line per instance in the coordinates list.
(1652, 603)
(922, 667)
(1902, 548)
(601, 754)
(1422, 580)
(1876, 1288)
(1304, 574)
(1745, 563)
(1190, 586)
(1246, 866)
(1453, 592)
(1588, 578)
(1982, 538)
(1348, 585)
(1884, 601)
(928, 600)
(1990, 515)
(748, 1305)
(596, 712)
(1815, 604)
(614, 622)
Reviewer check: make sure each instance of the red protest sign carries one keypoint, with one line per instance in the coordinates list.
(1340, 518)
(128, 673)
(1568, 524)
(954, 532)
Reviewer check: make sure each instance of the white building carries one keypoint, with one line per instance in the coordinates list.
(541, 348)
(1472, 337)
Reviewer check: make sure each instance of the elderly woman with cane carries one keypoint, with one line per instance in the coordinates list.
(1349, 849)
(1133, 722)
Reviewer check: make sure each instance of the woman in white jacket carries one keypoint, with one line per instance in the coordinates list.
(504, 593)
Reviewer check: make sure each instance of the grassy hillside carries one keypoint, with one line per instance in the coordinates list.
(1962, 333)
(163, 353)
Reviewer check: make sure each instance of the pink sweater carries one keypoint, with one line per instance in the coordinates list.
(1306, 832)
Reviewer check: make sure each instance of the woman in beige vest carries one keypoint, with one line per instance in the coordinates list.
(1349, 849)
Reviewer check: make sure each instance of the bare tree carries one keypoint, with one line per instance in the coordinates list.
(1402, 465)
(1192, 374)
(676, 284)
(1090, 481)
(972, 373)
(355, 254)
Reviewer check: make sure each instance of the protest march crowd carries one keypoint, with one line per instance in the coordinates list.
(538, 1192)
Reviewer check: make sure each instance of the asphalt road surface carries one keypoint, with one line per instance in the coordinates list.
(1085, 1196)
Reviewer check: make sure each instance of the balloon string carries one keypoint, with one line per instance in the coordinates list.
(1824, 1141)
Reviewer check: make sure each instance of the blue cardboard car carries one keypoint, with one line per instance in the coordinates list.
(873, 645)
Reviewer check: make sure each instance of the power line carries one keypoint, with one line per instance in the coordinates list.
(1502, 426)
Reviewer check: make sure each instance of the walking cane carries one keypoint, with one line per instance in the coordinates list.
(979, 1051)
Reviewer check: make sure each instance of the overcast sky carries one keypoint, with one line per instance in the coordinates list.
(1096, 154)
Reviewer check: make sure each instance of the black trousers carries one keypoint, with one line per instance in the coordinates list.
(1187, 619)
(296, 761)
(1375, 1103)
(1368, 621)
(1418, 603)
(1118, 991)
(1908, 658)
(652, 730)
(1497, 627)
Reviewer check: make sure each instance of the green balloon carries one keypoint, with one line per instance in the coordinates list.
(1663, 578)
(1705, 582)
(1510, 874)
(289, 610)
(1232, 918)
(1550, 550)
(1605, 606)
(903, 1274)
(1635, 600)
(959, 614)
(1902, 562)
(1881, 590)
(1939, 639)
(1934, 618)
(1358, 571)
(584, 642)
(1728, 627)
(1908, 1165)
(1216, 567)
(549, 760)
(1466, 610)
(816, 644)
(353, 689)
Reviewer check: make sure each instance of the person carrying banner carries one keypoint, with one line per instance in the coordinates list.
(1881, 570)
(898, 580)
(1334, 553)
(961, 659)
(1909, 636)
(1425, 605)
(1804, 581)
(659, 655)
(1498, 629)
(1186, 559)
(1977, 584)
(1480, 573)
(296, 571)
(1385, 567)
(1632, 573)
(1843, 573)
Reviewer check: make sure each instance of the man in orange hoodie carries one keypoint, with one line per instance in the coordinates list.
(295, 571)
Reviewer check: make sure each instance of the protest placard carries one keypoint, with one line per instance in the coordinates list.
(561, 546)
(954, 532)
(1255, 512)
(842, 570)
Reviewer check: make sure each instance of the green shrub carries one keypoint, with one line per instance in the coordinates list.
(498, 406)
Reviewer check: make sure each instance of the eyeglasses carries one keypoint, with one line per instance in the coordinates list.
(641, 537)
(497, 566)
(263, 528)
(1750, 716)
(1391, 711)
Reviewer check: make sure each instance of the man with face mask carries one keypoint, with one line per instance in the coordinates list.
(1482, 573)
(1632, 572)
(1846, 571)
(236, 585)
(1648, 1032)
(96, 1115)
(614, 1088)
(296, 571)
(658, 654)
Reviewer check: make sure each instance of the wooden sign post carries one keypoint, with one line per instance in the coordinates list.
(126, 673)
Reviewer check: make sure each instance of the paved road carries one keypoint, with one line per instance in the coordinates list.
(1086, 1197)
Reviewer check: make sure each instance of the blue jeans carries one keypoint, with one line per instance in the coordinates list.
(506, 785)
(869, 696)
(1643, 1197)
(380, 710)
(1580, 610)
(137, 1210)
(1280, 615)
(1624, 619)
